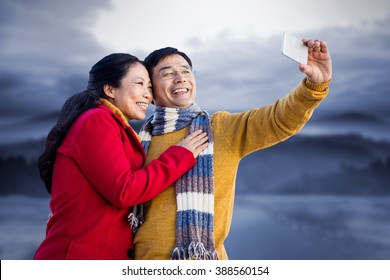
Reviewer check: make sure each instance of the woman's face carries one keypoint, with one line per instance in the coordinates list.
(134, 94)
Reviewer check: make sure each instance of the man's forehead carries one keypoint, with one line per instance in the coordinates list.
(172, 61)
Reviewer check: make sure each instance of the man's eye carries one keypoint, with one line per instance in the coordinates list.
(167, 74)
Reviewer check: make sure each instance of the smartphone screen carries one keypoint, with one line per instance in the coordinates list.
(294, 48)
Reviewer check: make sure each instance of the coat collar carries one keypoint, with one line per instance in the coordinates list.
(118, 114)
(116, 110)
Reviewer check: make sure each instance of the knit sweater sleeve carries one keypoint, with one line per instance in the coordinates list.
(246, 132)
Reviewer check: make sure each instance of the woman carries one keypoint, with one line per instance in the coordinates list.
(93, 164)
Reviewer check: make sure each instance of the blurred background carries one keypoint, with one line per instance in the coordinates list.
(322, 194)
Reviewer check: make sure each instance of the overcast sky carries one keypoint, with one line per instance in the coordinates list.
(150, 24)
(47, 48)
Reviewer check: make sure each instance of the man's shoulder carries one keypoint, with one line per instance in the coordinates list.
(221, 120)
(219, 114)
(225, 115)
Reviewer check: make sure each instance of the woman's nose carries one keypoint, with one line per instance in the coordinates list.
(148, 93)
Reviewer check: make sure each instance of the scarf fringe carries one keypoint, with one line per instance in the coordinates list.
(195, 251)
(134, 221)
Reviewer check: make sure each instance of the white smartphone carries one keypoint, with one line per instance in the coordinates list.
(294, 48)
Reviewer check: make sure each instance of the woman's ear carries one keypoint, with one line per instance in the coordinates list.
(109, 90)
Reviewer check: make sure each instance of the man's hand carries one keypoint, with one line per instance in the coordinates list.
(319, 65)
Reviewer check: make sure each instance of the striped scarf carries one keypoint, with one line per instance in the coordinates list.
(194, 190)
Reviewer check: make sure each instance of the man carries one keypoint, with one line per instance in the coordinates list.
(191, 219)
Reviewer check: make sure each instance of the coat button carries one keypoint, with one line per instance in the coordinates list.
(131, 253)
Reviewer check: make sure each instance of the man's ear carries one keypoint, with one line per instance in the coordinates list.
(109, 90)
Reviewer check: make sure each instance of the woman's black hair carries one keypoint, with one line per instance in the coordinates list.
(109, 70)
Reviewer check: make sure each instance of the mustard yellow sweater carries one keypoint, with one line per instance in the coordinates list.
(235, 135)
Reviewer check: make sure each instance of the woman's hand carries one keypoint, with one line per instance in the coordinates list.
(196, 142)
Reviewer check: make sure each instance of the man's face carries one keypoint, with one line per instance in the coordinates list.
(173, 83)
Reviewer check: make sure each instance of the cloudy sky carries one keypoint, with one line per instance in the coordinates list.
(47, 48)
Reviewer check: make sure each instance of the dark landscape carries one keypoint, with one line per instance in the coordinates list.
(325, 196)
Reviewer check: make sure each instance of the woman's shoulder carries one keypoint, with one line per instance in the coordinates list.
(100, 112)
(95, 118)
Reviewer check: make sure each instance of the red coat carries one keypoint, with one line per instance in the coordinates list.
(98, 175)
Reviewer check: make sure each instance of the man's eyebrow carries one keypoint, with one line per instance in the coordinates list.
(170, 66)
(164, 67)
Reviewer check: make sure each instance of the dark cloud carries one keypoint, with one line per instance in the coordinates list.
(361, 61)
(234, 75)
(7, 81)
(45, 51)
